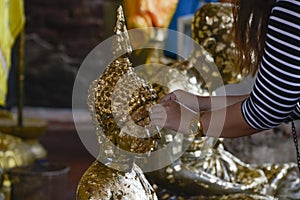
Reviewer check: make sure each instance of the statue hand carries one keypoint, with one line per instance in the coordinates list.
(172, 115)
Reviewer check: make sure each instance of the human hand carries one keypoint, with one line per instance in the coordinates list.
(172, 115)
(185, 98)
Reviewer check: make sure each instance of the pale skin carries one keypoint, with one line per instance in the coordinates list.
(177, 109)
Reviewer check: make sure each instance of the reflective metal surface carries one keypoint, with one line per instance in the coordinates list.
(101, 182)
(121, 123)
(212, 29)
(14, 152)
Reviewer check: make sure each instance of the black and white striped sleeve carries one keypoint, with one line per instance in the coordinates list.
(276, 92)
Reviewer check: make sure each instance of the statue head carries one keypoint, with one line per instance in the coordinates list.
(212, 28)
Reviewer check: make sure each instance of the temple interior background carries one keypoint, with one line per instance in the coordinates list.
(58, 36)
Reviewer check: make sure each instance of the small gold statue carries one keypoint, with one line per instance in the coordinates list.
(119, 102)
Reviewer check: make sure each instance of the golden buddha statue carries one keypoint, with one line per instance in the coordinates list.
(119, 102)
(212, 27)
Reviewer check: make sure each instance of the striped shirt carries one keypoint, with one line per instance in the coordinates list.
(276, 92)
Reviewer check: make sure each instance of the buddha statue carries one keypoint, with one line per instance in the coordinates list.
(119, 101)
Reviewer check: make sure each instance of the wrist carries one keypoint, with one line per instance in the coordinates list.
(205, 104)
(196, 127)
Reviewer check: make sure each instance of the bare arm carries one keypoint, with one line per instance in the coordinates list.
(218, 102)
(202, 103)
(226, 123)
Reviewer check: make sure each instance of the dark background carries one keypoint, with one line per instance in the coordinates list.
(59, 35)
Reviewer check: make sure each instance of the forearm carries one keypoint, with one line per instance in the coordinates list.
(226, 122)
(199, 103)
(218, 102)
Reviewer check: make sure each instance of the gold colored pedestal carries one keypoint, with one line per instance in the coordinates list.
(31, 128)
(28, 134)
(19, 145)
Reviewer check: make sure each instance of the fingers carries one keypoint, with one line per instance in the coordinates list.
(169, 97)
(157, 108)
(158, 115)
(187, 99)
(172, 115)
(157, 122)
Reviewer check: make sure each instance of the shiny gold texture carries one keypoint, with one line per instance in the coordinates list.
(212, 29)
(25, 136)
(122, 100)
(101, 182)
(218, 175)
(14, 152)
(217, 172)
(119, 101)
